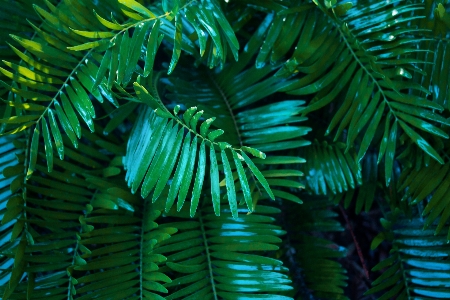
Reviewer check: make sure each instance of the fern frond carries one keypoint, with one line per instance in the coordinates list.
(329, 168)
(314, 254)
(45, 212)
(219, 257)
(418, 263)
(234, 95)
(118, 235)
(60, 80)
(158, 139)
(360, 70)
(205, 22)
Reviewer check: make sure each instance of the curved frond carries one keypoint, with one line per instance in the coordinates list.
(158, 141)
(221, 257)
(187, 24)
(45, 212)
(235, 95)
(368, 67)
(418, 263)
(51, 86)
(118, 235)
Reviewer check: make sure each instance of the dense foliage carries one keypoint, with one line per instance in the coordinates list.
(275, 125)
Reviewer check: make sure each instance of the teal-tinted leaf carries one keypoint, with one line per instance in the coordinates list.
(187, 176)
(231, 193)
(168, 166)
(421, 142)
(48, 145)
(56, 134)
(152, 47)
(390, 153)
(205, 126)
(198, 179)
(421, 124)
(243, 179)
(258, 175)
(177, 44)
(179, 173)
(215, 188)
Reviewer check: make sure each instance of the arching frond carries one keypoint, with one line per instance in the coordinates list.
(158, 146)
(361, 70)
(44, 212)
(221, 257)
(118, 235)
(177, 20)
(418, 263)
(52, 84)
(234, 96)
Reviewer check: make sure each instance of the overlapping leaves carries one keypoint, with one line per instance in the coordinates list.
(418, 263)
(51, 87)
(161, 143)
(42, 217)
(360, 55)
(417, 188)
(118, 235)
(221, 257)
(203, 20)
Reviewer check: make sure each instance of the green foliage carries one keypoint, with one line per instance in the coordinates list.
(112, 110)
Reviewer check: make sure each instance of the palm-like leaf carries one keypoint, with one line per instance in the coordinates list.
(234, 96)
(155, 155)
(45, 212)
(218, 257)
(363, 41)
(52, 83)
(118, 235)
(418, 265)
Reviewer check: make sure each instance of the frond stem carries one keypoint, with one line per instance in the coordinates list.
(211, 275)
(225, 100)
(64, 84)
(365, 69)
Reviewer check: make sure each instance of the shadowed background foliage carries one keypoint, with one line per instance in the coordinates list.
(206, 149)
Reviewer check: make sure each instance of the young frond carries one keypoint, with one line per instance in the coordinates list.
(160, 139)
